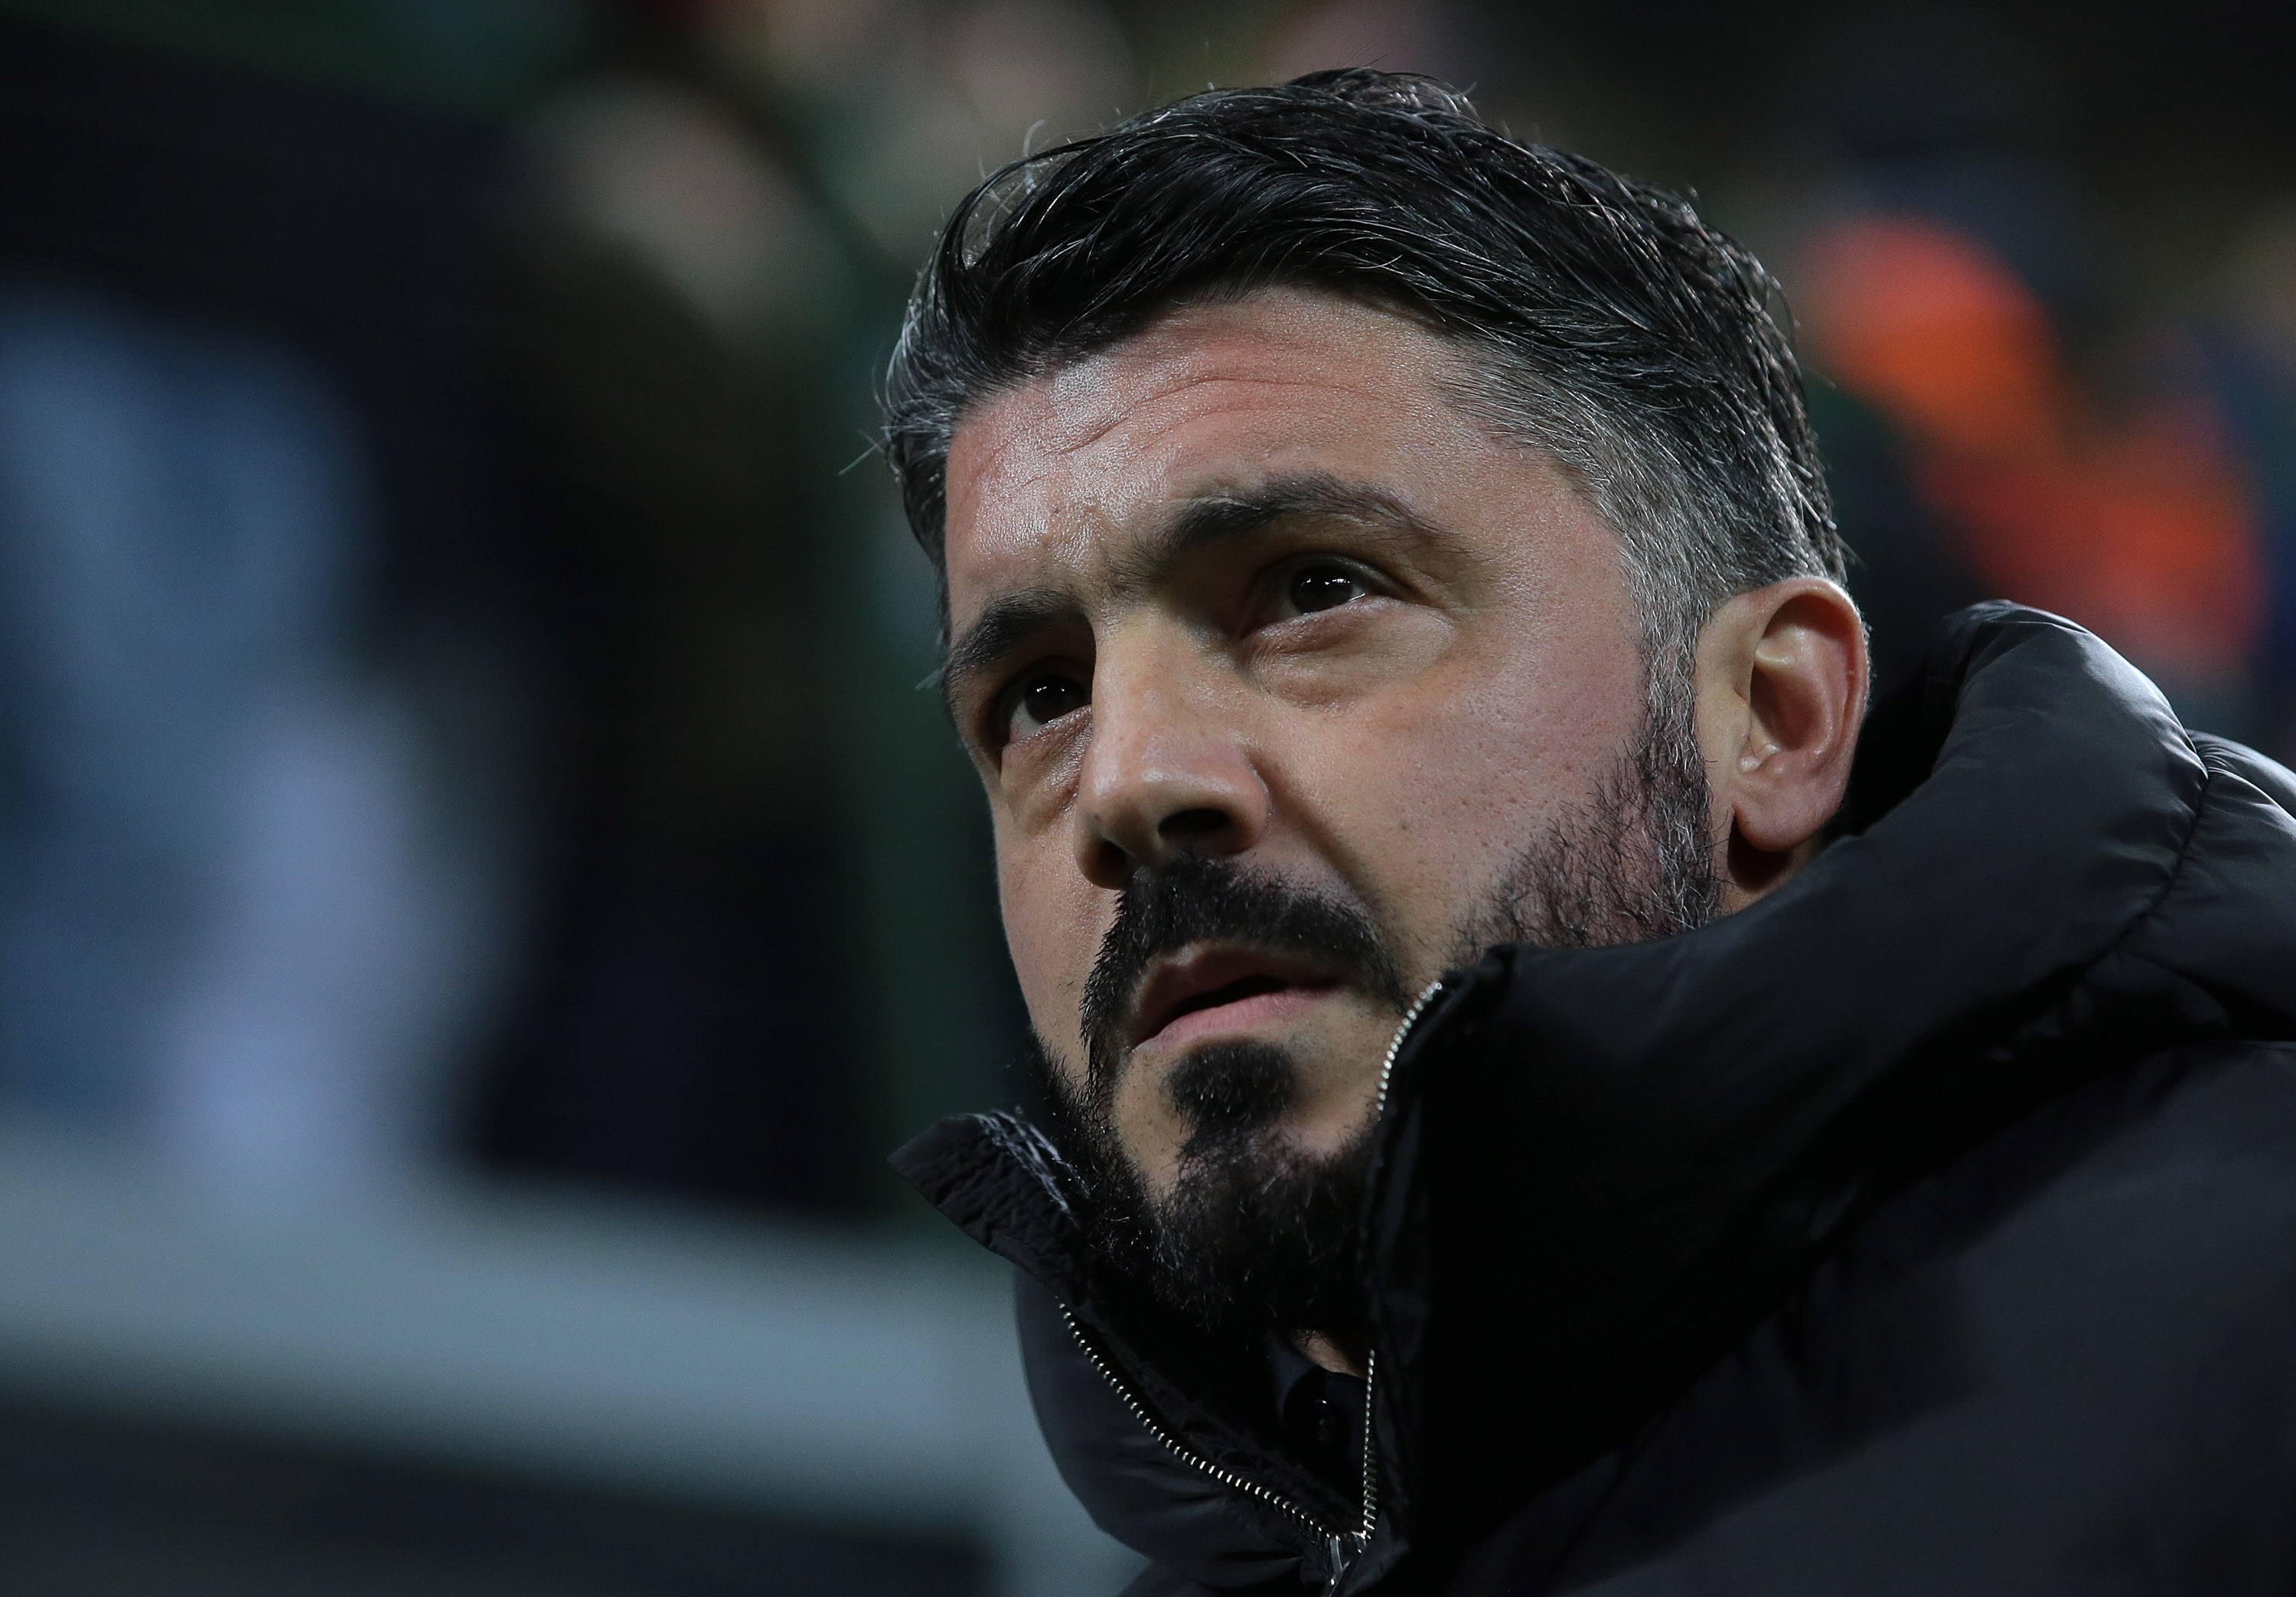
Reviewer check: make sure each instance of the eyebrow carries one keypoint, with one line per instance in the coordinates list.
(1010, 619)
(1233, 512)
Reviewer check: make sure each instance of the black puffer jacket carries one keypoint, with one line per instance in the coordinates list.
(1929, 1227)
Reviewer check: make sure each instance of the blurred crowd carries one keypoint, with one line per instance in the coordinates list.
(460, 660)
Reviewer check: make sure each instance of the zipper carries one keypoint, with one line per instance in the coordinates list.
(1370, 1458)
(1402, 1035)
(1342, 1548)
(1419, 1006)
(1332, 1540)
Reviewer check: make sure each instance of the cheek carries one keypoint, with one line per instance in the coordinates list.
(1471, 762)
(1054, 920)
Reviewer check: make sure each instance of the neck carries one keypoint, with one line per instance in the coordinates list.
(1321, 1349)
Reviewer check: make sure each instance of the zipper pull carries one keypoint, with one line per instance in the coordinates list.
(1343, 1552)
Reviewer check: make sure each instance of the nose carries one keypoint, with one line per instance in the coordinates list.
(1168, 771)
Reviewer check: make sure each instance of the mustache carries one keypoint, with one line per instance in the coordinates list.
(1199, 898)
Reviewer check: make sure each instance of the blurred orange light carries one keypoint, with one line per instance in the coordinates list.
(2135, 525)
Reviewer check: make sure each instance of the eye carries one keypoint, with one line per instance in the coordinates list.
(1311, 588)
(1040, 699)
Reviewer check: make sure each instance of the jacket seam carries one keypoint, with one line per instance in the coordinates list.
(2144, 917)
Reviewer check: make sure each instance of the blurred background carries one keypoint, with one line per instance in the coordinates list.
(481, 887)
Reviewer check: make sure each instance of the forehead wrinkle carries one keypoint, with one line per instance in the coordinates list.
(1245, 339)
(1077, 389)
(1079, 403)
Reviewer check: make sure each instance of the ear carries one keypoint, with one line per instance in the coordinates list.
(1782, 680)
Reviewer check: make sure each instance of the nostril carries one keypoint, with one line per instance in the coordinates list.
(1109, 865)
(1194, 825)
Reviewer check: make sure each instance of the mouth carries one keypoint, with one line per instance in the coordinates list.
(1205, 990)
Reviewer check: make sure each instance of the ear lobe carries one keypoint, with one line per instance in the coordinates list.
(1790, 680)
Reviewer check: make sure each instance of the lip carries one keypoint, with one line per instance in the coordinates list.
(1205, 989)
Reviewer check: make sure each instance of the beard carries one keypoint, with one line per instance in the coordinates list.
(1256, 1235)
(1635, 862)
(1254, 1231)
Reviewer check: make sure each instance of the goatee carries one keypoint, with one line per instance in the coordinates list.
(1255, 1233)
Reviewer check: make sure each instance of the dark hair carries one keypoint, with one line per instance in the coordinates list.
(1606, 325)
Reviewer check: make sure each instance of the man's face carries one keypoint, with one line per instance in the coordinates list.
(1248, 607)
